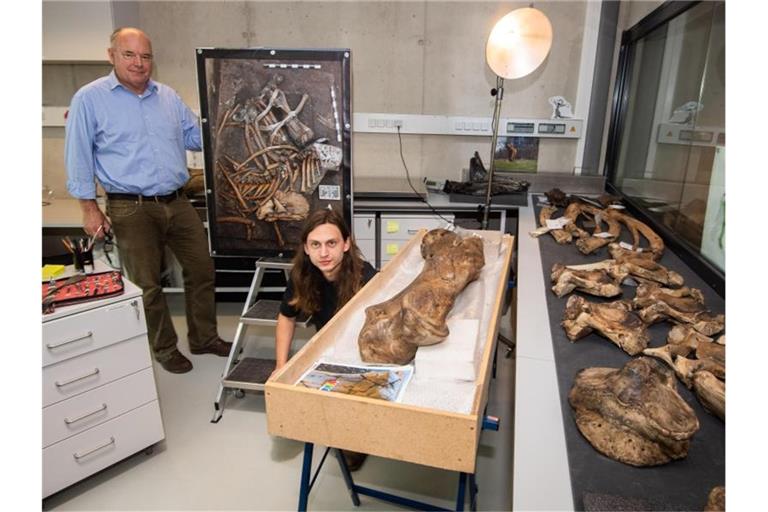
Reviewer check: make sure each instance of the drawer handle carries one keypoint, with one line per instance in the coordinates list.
(413, 231)
(69, 421)
(72, 381)
(67, 342)
(79, 456)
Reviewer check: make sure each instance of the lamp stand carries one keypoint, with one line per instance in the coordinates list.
(498, 92)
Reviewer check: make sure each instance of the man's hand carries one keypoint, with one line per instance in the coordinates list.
(94, 220)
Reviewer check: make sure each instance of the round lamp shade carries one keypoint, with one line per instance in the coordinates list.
(519, 43)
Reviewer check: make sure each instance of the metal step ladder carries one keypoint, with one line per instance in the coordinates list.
(250, 373)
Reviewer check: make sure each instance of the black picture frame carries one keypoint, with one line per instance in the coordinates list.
(276, 126)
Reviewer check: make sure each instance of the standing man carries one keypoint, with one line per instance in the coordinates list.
(130, 133)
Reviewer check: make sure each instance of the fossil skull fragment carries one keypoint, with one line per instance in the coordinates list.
(633, 414)
(395, 329)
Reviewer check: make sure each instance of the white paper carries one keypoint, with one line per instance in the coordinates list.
(616, 206)
(604, 234)
(625, 245)
(558, 223)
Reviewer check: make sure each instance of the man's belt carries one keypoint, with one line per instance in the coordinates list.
(167, 198)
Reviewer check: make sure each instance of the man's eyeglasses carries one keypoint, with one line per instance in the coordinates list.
(129, 56)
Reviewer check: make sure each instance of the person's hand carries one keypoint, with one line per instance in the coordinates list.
(95, 223)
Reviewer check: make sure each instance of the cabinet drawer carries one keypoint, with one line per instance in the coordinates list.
(84, 411)
(368, 248)
(77, 334)
(89, 371)
(404, 227)
(364, 227)
(73, 459)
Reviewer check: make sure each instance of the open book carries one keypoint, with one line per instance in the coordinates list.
(386, 382)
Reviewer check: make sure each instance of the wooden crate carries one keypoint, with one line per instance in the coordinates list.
(421, 435)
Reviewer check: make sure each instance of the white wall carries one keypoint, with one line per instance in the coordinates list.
(411, 57)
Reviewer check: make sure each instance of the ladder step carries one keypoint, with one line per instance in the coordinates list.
(250, 373)
(264, 312)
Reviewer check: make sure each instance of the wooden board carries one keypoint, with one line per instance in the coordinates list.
(421, 435)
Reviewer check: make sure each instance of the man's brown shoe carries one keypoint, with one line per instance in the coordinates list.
(177, 363)
(218, 347)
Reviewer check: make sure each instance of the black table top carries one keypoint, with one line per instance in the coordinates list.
(596, 480)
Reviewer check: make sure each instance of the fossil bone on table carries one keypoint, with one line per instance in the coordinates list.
(683, 305)
(395, 329)
(633, 414)
(600, 282)
(614, 320)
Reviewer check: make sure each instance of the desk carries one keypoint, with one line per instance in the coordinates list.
(63, 213)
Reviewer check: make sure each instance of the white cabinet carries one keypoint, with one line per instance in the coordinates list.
(397, 229)
(79, 31)
(100, 400)
(364, 231)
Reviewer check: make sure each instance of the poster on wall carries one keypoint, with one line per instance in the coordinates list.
(517, 154)
(276, 142)
(713, 233)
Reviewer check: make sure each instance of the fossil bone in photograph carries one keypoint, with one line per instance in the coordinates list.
(395, 329)
(643, 265)
(614, 320)
(633, 414)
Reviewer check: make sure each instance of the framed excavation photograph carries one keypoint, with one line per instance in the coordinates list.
(276, 140)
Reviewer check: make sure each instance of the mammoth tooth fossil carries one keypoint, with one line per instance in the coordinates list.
(394, 329)
(633, 414)
(595, 282)
(711, 392)
(614, 320)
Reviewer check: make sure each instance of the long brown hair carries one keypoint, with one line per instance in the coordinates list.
(307, 279)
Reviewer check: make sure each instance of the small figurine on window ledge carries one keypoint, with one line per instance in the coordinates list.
(561, 109)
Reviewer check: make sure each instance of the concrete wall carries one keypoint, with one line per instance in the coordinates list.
(411, 57)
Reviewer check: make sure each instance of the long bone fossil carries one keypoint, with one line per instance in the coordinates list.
(395, 329)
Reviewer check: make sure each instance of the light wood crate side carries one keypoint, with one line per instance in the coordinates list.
(424, 436)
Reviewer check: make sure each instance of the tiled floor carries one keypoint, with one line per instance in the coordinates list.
(236, 465)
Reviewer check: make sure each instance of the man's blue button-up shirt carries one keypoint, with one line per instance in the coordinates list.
(131, 143)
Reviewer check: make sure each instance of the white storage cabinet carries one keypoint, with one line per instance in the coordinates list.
(100, 400)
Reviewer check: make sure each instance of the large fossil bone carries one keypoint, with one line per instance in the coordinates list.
(395, 329)
(684, 305)
(633, 414)
(711, 392)
(598, 282)
(643, 265)
(637, 228)
(614, 320)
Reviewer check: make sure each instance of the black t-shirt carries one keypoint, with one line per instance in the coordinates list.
(328, 299)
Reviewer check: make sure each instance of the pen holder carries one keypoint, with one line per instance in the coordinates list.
(81, 258)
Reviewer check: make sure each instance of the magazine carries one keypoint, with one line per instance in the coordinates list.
(385, 382)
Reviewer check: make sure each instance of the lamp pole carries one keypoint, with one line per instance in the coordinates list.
(498, 92)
